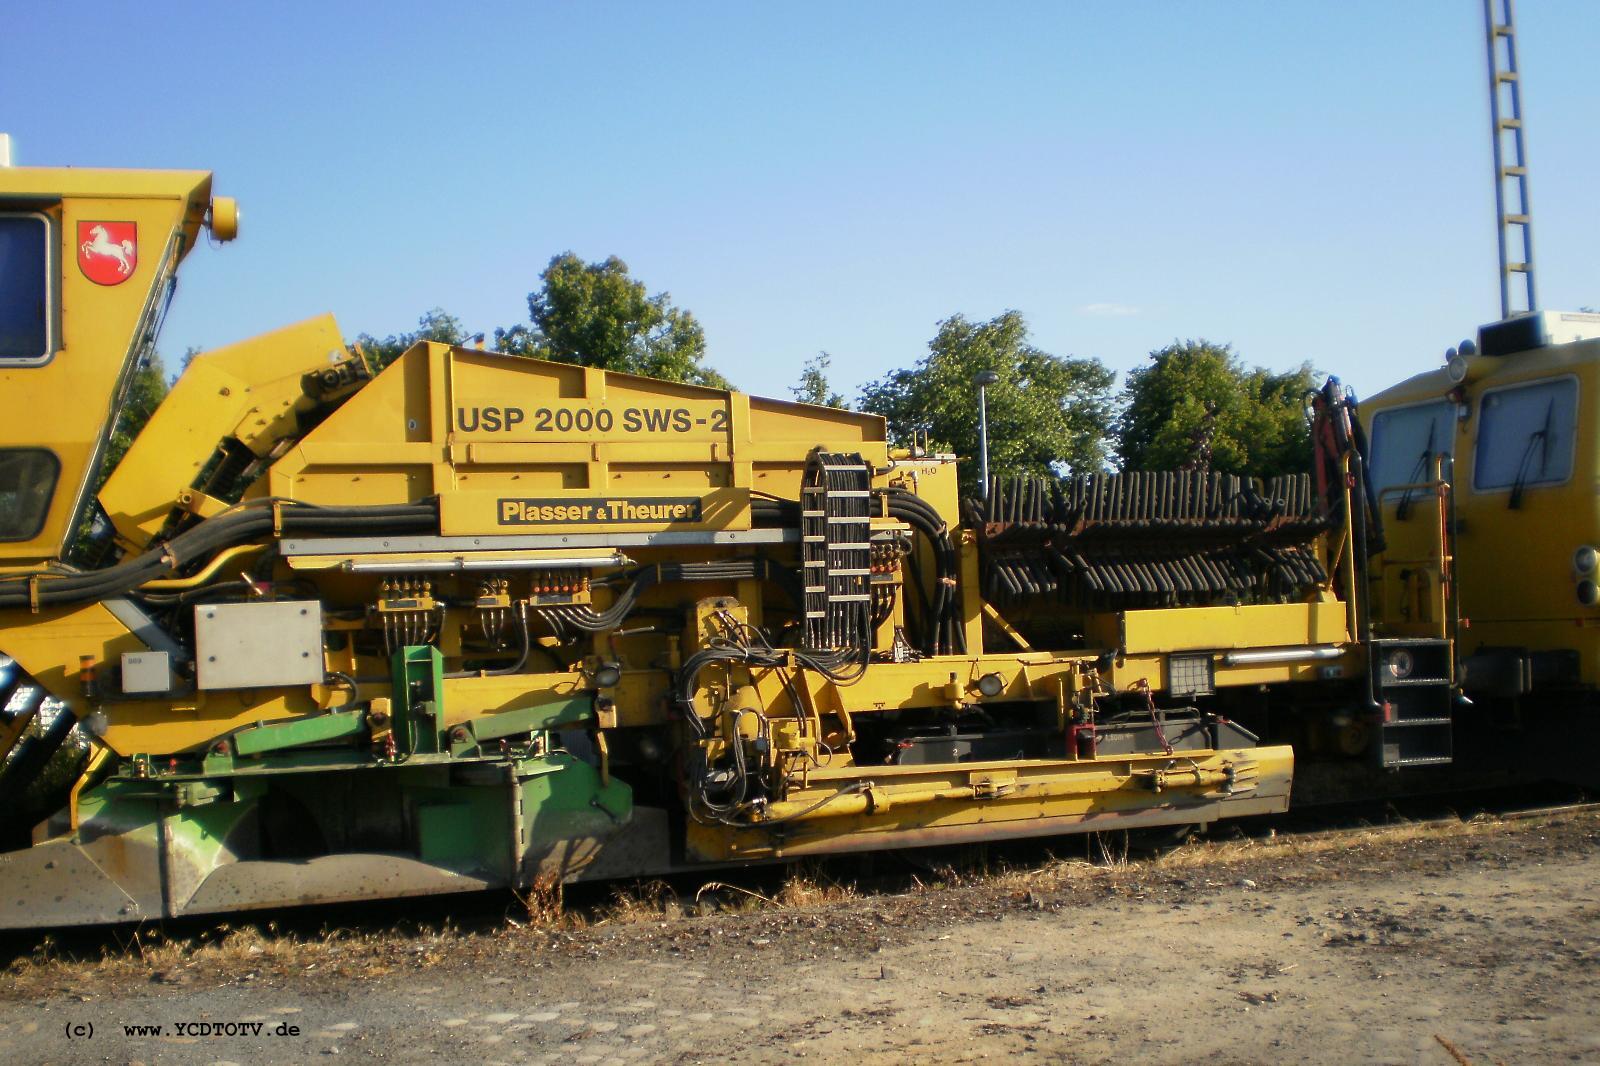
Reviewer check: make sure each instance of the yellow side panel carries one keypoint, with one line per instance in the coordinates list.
(48, 645)
(1270, 625)
(774, 420)
(486, 427)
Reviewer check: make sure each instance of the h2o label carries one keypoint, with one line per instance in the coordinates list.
(669, 420)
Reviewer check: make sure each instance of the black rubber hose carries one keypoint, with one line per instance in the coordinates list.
(945, 624)
(204, 540)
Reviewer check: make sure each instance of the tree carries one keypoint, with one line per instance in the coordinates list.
(145, 393)
(436, 325)
(1256, 417)
(1047, 413)
(813, 387)
(189, 355)
(597, 314)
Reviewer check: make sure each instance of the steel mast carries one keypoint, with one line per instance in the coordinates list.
(1510, 159)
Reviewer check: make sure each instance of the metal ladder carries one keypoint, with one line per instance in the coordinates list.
(1412, 684)
(1510, 177)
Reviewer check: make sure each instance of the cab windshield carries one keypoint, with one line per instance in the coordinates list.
(1406, 441)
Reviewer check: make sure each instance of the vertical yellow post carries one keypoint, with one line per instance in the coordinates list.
(971, 597)
(92, 767)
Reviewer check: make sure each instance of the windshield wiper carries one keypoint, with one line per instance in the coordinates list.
(1403, 508)
(1541, 437)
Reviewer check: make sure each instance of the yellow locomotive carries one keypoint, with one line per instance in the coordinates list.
(1490, 462)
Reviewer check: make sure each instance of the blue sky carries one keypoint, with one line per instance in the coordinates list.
(1305, 181)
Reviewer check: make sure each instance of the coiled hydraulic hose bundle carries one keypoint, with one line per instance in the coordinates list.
(944, 634)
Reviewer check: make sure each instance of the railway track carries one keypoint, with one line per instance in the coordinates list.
(886, 876)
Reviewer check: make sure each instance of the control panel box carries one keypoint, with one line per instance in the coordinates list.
(258, 645)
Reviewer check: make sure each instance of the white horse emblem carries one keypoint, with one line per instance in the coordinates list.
(101, 244)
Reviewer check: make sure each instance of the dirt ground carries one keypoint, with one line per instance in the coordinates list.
(1474, 943)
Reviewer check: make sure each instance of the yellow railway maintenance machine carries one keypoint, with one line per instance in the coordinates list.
(479, 621)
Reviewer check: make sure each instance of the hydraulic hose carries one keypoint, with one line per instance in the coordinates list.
(943, 633)
(592, 621)
(200, 542)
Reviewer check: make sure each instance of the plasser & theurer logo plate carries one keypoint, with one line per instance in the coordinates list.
(609, 510)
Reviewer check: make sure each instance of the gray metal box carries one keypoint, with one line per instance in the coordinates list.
(146, 671)
(258, 645)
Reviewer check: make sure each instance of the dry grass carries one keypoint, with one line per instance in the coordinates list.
(808, 885)
(1312, 845)
(641, 901)
(543, 902)
(1112, 861)
(241, 954)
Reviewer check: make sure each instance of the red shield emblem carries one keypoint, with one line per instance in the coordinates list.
(108, 252)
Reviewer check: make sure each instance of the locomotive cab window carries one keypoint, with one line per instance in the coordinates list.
(1406, 441)
(1526, 435)
(27, 482)
(25, 285)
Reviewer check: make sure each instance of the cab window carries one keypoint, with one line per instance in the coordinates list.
(1406, 441)
(1526, 435)
(27, 481)
(24, 288)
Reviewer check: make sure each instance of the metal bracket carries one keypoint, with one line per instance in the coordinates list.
(993, 784)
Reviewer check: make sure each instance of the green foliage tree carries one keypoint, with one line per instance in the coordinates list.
(189, 355)
(1257, 422)
(145, 393)
(1046, 413)
(436, 325)
(597, 314)
(814, 387)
